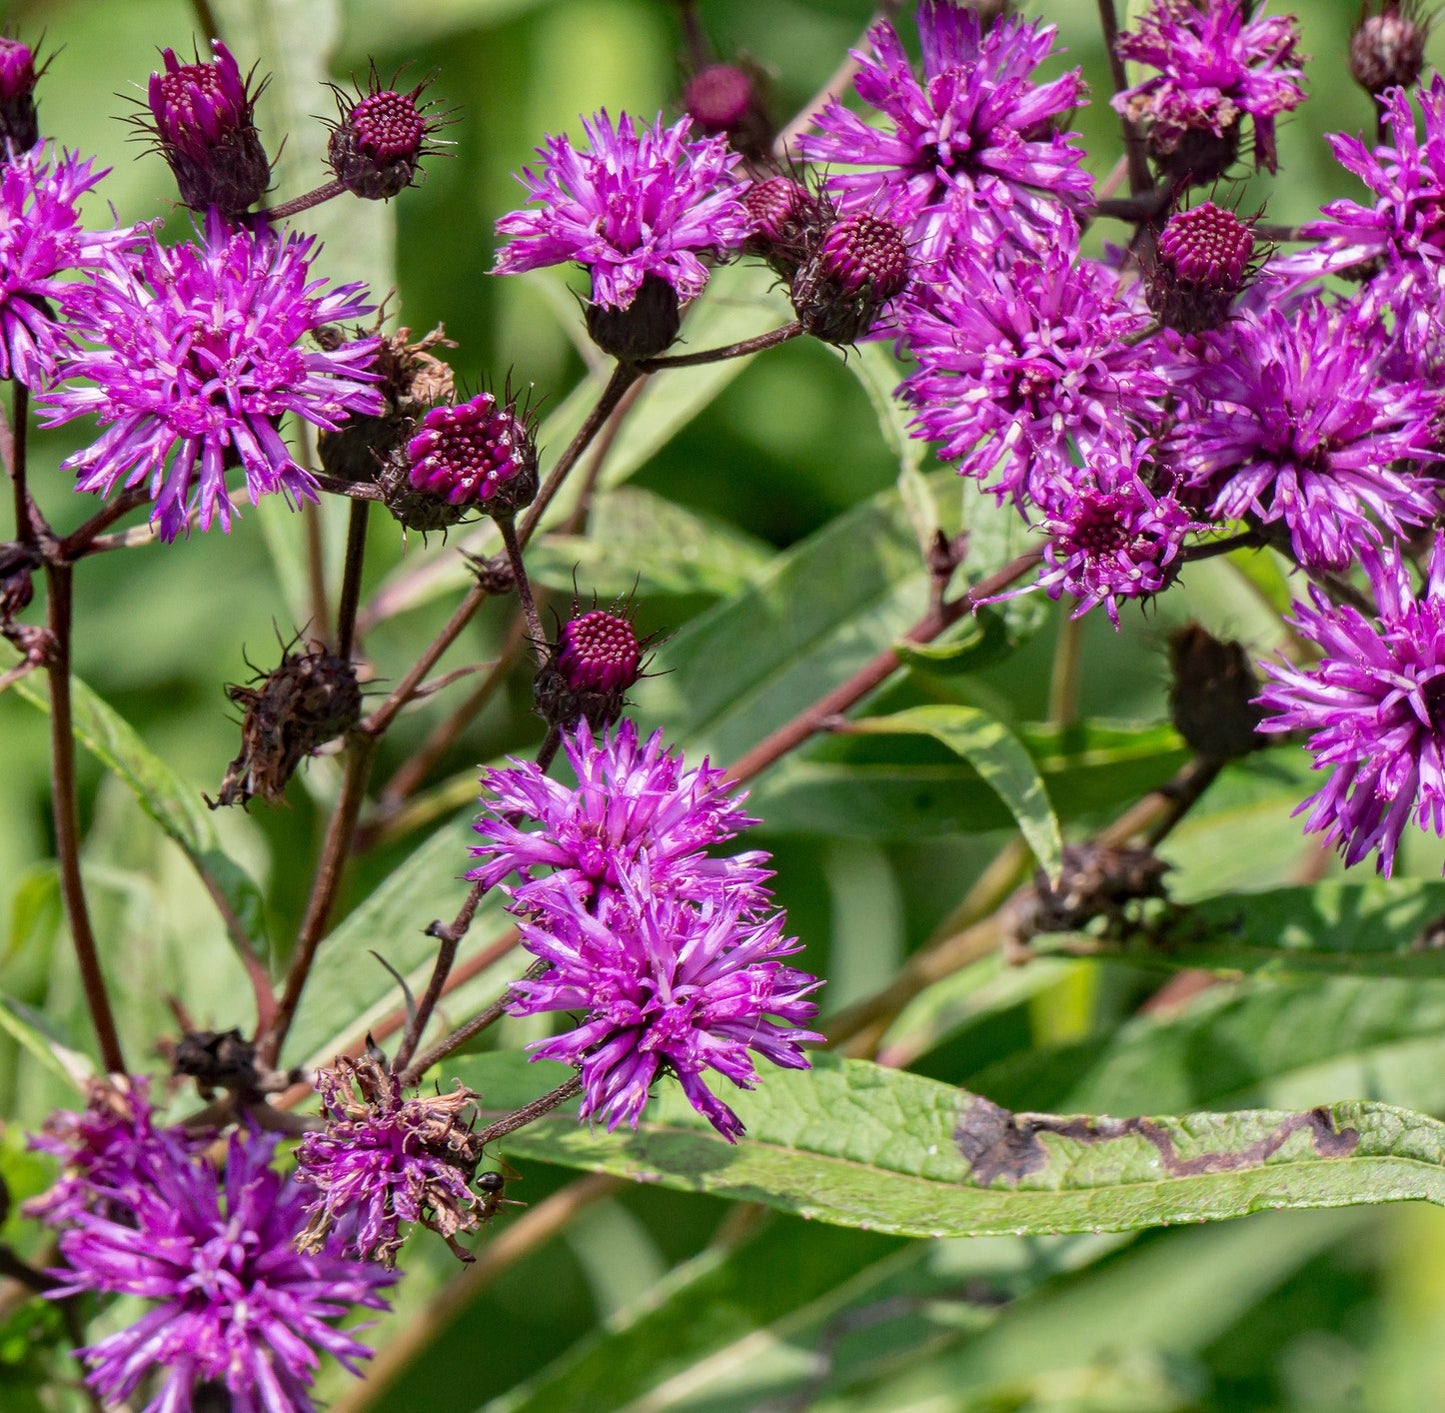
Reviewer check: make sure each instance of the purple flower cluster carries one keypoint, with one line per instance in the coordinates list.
(229, 1302)
(1374, 705)
(969, 155)
(1215, 67)
(196, 359)
(640, 201)
(667, 950)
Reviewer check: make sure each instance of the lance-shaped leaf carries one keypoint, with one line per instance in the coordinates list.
(858, 1145)
(988, 746)
(174, 805)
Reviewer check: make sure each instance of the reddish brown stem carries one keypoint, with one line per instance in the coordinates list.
(740, 349)
(1134, 150)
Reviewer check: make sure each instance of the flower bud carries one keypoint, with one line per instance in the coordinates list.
(785, 219)
(479, 453)
(728, 99)
(203, 117)
(376, 149)
(860, 264)
(1212, 695)
(1202, 261)
(310, 699)
(597, 657)
(1387, 48)
(644, 329)
(19, 125)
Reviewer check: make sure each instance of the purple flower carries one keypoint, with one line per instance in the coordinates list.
(1215, 68)
(665, 986)
(1375, 704)
(203, 119)
(384, 1160)
(1111, 536)
(1018, 360)
(230, 1300)
(970, 154)
(1293, 418)
(105, 1148)
(41, 242)
(19, 125)
(642, 201)
(1404, 230)
(477, 452)
(634, 807)
(196, 363)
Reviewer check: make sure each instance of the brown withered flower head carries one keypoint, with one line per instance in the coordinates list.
(311, 698)
(384, 1160)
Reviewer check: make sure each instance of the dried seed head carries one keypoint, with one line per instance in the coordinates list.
(1212, 694)
(19, 124)
(310, 699)
(1096, 882)
(1387, 48)
(860, 264)
(1204, 258)
(377, 147)
(479, 454)
(203, 121)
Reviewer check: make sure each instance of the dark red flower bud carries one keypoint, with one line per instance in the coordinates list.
(1203, 259)
(597, 657)
(728, 99)
(203, 118)
(478, 453)
(19, 125)
(785, 219)
(1387, 48)
(859, 265)
(377, 147)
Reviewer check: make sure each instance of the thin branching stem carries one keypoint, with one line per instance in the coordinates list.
(351, 580)
(741, 349)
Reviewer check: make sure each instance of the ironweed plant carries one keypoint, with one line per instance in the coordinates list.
(1083, 976)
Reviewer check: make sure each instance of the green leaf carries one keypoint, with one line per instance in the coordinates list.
(639, 542)
(30, 1030)
(855, 1144)
(175, 805)
(879, 787)
(1000, 760)
(1381, 927)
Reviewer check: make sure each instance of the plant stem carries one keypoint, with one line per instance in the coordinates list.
(450, 937)
(206, 19)
(361, 749)
(16, 460)
(874, 672)
(623, 377)
(483, 1020)
(529, 1113)
(1134, 150)
(507, 528)
(355, 490)
(732, 350)
(66, 813)
(351, 580)
(316, 567)
(1064, 680)
(1209, 549)
(81, 542)
(305, 202)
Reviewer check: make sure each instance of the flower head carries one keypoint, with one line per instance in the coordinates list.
(1294, 418)
(1112, 537)
(377, 146)
(19, 124)
(1204, 257)
(634, 806)
(41, 243)
(1375, 704)
(1387, 48)
(384, 1160)
(203, 120)
(728, 99)
(666, 986)
(480, 452)
(196, 361)
(1216, 67)
(969, 154)
(1016, 360)
(860, 264)
(638, 201)
(229, 1300)
(1403, 232)
(105, 1149)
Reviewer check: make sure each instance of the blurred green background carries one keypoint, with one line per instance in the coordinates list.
(1318, 1311)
